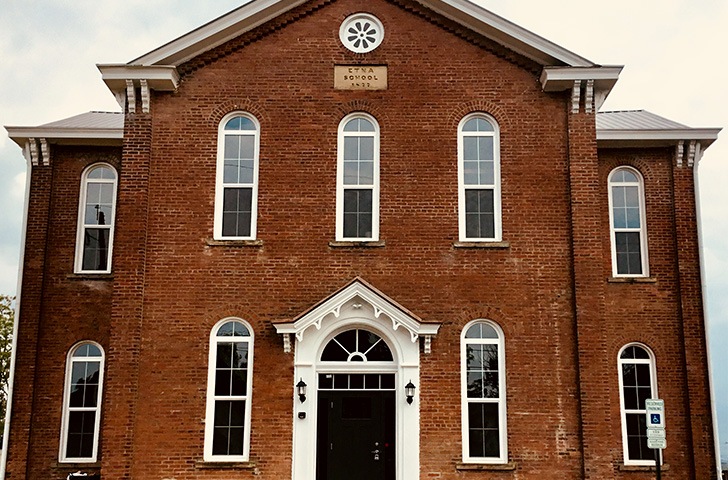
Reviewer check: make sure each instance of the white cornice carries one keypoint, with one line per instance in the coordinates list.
(655, 138)
(67, 136)
(556, 79)
(158, 77)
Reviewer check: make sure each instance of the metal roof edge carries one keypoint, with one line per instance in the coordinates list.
(655, 137)
(66, 135)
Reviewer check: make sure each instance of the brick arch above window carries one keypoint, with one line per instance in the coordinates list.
(478, 106)
(363, 106)
(237, 105)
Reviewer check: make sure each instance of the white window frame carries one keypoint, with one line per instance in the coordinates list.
(62, 458)
(220, 185)
(212, 398)
(644, 258)
(81, 228)
(501, 400)
(623, 411)
(340, 187)
(496, 188)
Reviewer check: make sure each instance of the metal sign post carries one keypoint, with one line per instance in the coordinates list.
(656, 438)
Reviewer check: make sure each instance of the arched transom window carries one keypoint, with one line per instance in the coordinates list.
(82, 404)
(479, 178)
(627, 219)
(483, 394)
(637, 383)
(356, 345)
(357, 193)
(227, 430)
(97, 208)
(237, 178)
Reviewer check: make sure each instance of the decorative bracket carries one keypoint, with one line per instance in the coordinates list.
(33, 147)
(130, 97)
(428, 344)
(589, 101)
(692, 152)
(680, 149)
(145, 95)
(286, 343)
(575, 96)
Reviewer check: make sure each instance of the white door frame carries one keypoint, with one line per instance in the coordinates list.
(357, 306)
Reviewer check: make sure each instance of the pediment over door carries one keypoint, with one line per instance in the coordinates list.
(357, 295)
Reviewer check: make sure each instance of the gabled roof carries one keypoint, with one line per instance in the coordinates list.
(464, 12)
(644, 129)
(329, 308)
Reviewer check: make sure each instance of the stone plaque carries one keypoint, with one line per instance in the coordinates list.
(360, 77)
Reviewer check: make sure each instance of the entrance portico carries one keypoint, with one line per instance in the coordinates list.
(339, 347)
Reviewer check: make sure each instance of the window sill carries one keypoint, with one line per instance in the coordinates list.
(90, 276)
(233, 243)
(79, 465)
(203, 465)
(486, 467)
(642, 468)
(356, 244)
(481, 244)
(631, 280)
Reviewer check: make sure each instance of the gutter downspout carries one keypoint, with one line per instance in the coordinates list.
(714, 413)
(11, 377)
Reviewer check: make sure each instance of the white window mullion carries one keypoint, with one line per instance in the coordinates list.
(72, 448)
(232, 332)
(479, 190)
(357, 179)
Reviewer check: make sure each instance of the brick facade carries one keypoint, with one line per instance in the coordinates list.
(550, 288)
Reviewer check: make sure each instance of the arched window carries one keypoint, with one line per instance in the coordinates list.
(229, 387)
(97, 209)
(357, 346)
(637, 383)
(82, 404)
(627, 221)
(357, 184)
(236, 191)
(483, 393)
(479, 178)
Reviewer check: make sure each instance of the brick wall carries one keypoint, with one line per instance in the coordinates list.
(563, 321)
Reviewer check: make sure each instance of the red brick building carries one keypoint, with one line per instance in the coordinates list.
(347, 239)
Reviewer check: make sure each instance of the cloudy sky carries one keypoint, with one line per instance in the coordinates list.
(673, 51)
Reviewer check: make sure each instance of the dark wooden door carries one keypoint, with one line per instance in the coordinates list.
(356, 436)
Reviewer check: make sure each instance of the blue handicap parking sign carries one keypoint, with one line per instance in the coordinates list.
(655, 418)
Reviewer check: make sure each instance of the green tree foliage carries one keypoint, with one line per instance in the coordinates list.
(7, 315)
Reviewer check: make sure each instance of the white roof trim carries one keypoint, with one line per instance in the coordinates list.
(506, 33)
(159, 77)
(557, 79)
(330, 309)
(258, 12)
(67, 136)
(217, 32)
(654, 137)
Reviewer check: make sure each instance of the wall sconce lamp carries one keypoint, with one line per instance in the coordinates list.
(409, 391)
(301, 389)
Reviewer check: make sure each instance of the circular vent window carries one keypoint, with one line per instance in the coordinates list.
(361, 32)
